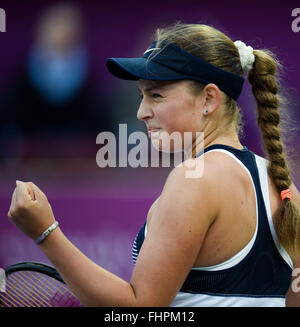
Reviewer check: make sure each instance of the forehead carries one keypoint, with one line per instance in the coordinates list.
(165, 85)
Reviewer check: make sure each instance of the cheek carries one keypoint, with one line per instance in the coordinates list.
(176, 117)
(173, 117)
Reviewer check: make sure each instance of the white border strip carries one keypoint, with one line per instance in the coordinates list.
(263, 177)
(238, 257)
(205, 300)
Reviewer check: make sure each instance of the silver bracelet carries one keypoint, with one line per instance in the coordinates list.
(46, 233)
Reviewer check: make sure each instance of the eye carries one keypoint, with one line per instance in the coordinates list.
(156, 95)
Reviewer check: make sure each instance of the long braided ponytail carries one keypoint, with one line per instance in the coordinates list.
(264, 81)
(213, 46)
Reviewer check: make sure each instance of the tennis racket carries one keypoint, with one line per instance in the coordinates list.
(32, 284)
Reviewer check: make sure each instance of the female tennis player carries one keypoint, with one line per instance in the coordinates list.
(229, 238)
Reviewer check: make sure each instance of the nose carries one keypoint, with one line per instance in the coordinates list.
(144, 112)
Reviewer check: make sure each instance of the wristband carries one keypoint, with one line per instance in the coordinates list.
(46, 233)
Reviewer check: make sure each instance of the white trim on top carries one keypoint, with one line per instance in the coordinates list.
(206, 300)
(263, 177)
(238, 257)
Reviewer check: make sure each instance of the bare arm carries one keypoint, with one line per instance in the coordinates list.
(93, 285)
(173, 240)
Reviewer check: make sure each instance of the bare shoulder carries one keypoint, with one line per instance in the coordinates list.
(182, 216)
(210, 164)
(179, 223)
(184, 187)
(201, 189)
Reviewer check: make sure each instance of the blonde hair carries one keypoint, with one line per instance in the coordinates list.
(213, 46)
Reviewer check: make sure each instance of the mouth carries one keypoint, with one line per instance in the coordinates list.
(153, 132)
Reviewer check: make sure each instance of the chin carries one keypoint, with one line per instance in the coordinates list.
(166, 147)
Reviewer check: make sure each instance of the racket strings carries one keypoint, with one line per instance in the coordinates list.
(23, 292)
(33, 289)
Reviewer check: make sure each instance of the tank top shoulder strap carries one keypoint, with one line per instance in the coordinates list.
(244, 156)
(256, 167)
(231, 149)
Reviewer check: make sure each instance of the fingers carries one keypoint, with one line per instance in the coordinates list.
(32, 217)
(30, 191)
(23, 196)
(33, 191)
(13, 204)
(37, 193)
(20, 199)
(16, 204)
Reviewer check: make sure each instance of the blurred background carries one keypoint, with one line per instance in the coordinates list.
(56, 96)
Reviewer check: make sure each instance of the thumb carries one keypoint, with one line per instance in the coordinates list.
(23, 192)
(30, 191)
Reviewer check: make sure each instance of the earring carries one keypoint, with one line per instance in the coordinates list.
(206, 111)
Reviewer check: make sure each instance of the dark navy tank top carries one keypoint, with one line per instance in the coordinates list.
(260, 274)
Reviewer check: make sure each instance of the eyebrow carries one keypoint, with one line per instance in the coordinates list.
(151, 88)
(148, 89)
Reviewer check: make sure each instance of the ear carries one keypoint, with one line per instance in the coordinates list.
(211, 98)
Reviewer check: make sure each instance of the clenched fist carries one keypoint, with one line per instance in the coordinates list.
(30, 210)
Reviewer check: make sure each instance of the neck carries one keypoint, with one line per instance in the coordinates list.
(206, 139)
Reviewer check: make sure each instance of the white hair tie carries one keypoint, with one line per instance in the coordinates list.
(246, 55)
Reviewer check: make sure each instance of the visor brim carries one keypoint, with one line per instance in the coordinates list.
(141, 68)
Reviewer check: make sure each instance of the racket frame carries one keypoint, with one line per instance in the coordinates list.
(34, 266)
